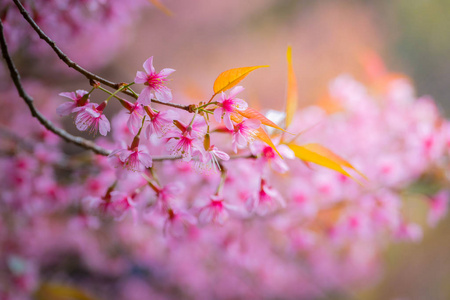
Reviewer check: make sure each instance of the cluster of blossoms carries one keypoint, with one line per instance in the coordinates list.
(211, 200)
(192, 203)
(90, 27)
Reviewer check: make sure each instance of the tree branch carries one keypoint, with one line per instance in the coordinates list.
(89, 75)
(84, 143)
(29, 101)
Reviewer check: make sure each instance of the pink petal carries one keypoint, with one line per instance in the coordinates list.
(104, 126)
(163, 94)
(227, 121)
(145, 97)
(222, 155)
(252, 123)
(65, 108)
(148, 66)
(166, 72)
(235, 91)
(81, 93)
(218, 114)
(124, 154)
(70, 95)
(141, 77)
(145, 159)
(134, 122)
(240, 104)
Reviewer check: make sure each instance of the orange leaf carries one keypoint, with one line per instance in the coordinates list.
(232, 77)
(161, 7)
(309, 155)
(319, 149)
(56, 291)
(250, 113)
(292, 93)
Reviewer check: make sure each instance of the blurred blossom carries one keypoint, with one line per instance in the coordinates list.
(213, 224)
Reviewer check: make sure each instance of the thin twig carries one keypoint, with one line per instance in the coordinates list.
(35, 113)
(87, 144)
(89, 75)
(244, 156)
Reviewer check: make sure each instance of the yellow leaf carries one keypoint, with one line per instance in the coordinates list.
(309, 155)
(232, 77)
(292, 93)
(55, 291)
(250, 113)
(161, 7)
(319, 149)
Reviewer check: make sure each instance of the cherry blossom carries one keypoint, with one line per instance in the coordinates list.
(216, 211)
(210, 160)
(91, 116)
(159, 123)
(154, 83)
(134, 160)
(79, 98)
(244, 133)
(227, 105)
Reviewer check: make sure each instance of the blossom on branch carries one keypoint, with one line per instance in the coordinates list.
(228, 105)
(79, 99)
(91, 116)
(244, 133)
(154, 83)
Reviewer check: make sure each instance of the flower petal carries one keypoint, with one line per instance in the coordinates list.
(166, 72)
(148, 66)
(141, 77)
(163, 94)
(145, 97)
(65, 108)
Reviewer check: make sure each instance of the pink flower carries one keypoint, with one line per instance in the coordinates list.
(277, 163)
(154, 82)
(136, 114)
(409, 232)
(438, 207)
(229, 105)
(178, 223)
(134, 160)
(183, 142)
(78, 98)
(267, 200)
(244, 132)
(216, 211)
(159, 122)
(91, 116)
(210, 160)
(120, 204)
(167, 194)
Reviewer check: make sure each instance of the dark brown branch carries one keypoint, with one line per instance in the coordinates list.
(29, 101)
(61, 54)
(15, 76)
(75, 66)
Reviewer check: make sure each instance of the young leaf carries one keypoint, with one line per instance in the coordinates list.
(250, 113)
(56, 291)
(232, 77)
(161, 7)
(319, 149)
(292, 93)
(308, 155)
